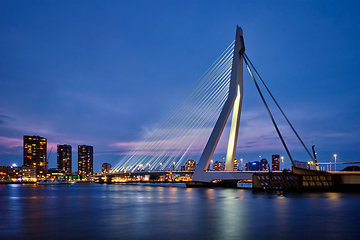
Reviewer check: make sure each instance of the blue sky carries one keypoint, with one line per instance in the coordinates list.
(104, 73)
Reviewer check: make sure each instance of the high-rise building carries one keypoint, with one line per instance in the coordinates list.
(218, 166)
(275, 165)
(35, 154)
(190, 165)
(85, 160)
(106, 168)
(235, 165)
(64, 158)
(252, 166)
(263, 164)
(247, 166)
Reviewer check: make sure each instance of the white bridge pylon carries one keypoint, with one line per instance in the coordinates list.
(233, 103)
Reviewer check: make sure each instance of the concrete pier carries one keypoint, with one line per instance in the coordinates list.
(307, 180)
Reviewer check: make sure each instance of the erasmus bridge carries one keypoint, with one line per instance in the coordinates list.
(194, 126)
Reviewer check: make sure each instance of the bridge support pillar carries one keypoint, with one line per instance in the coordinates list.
(233, 102)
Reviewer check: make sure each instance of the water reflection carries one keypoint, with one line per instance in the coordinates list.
(145, 212)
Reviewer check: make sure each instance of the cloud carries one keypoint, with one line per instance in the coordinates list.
(125, 145)
(10, 145)
(4, 119)
(168, 147)
(10, 142)
(257, 133)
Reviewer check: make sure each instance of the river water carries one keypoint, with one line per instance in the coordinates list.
(92, 211)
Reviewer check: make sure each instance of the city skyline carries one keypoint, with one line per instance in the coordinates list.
(105, 73)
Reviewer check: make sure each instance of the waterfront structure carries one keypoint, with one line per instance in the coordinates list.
(15, 173)
(106, 168)
(55, 173)
(275, 165)
(190, 165)
(28, 173)
(4, 173)
(263, 164)
(85, 160)
(64, 158)
(4, 170)
(35, 154)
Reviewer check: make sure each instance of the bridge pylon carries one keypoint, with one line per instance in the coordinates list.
(233, 103)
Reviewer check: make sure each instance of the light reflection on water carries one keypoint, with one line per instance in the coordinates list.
(146, 212)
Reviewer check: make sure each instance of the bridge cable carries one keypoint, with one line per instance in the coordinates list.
(272, 118)
(165, 124)
(189, 122)
(205, 100)
(288, 121)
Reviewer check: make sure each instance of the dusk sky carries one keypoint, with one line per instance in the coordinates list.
(105, 73)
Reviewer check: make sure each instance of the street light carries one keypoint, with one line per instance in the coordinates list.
(242, 166)
(282, 162)
(335, 161)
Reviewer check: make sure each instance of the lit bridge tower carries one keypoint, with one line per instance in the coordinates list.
(233, 103)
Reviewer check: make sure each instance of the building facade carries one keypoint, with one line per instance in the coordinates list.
(252, 166)
(55, 173)
(275, 165)
(64, 158)
(28, 173)
(218, 166)
(35, 154)
(236, 164)
(190, 165)
(15, 173)
(106, 168)
(85, 160)
(263, 164)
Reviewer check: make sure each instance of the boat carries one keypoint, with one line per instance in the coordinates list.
(244, 184)
(51, 181)
(84, 181)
